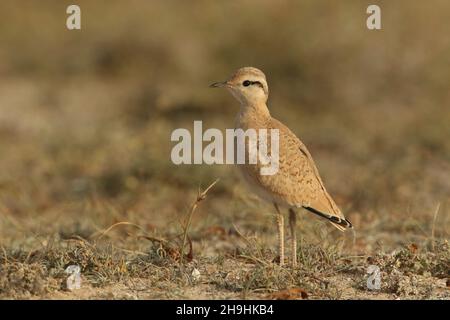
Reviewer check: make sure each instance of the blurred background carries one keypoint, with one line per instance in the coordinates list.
(86, 116)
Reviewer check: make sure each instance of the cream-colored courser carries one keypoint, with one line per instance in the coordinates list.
(297, 183)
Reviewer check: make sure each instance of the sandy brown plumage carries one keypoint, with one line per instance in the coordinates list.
(297, 184)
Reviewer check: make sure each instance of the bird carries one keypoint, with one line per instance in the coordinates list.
(297, 183)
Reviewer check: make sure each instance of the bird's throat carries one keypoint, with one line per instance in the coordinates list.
(255, 111)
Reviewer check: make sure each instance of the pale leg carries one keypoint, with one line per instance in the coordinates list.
(280, 224)
(292, 223)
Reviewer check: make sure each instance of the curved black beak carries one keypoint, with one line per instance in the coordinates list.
(218, 84)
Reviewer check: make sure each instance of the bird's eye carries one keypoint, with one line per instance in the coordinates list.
(246, 83)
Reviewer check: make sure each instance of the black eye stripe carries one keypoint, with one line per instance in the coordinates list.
(258, 83)
(246, 83)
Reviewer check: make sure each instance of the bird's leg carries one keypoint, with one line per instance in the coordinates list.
(292, 223)
(280, 224)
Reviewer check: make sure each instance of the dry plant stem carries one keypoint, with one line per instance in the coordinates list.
(104, 232)
(434, 224)
(200, 197)
(249, 243)
(5, 255)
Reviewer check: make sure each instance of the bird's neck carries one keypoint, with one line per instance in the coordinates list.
(255, 111)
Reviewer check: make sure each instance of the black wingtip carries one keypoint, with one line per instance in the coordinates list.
(342, 222)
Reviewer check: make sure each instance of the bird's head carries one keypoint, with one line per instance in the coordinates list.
(248, 85)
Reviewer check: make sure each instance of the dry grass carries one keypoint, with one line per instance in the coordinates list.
(85, 123)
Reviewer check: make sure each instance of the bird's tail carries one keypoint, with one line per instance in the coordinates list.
(341, 223)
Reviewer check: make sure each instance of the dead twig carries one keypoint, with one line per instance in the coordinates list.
(200, 197)
(103, 233)
(250, 244)
(153, 239)
(434, 225)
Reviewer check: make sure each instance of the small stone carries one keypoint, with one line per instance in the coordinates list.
(195, 274)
